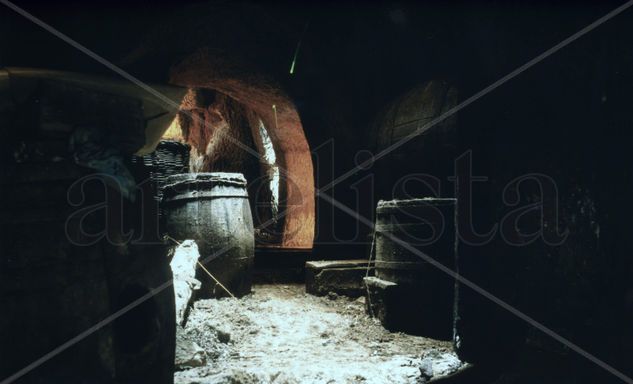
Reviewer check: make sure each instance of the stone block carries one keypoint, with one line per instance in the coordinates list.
(406, 308)
(183, 266)
(343, 277)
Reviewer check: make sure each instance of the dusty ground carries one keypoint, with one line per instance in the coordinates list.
(281, 335)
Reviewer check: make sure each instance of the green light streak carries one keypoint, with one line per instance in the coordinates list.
(294, 58)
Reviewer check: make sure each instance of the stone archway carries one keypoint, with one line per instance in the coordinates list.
(262, 103)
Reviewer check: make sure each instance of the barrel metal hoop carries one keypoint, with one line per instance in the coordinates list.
(390, 227)
(207, 180)
(397, 206)
(201, 196)
(196, 185)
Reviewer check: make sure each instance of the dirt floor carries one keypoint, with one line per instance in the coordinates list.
(280, 334)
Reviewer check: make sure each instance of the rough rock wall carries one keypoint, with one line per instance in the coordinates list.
(216, 126)
(205, 69)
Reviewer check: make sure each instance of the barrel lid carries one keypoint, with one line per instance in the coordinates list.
(425, 201)
(397, 205)
(219, 178)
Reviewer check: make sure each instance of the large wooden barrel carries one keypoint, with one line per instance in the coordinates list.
(213, 210)
(59, 277)
(432, 152)
(51, 290)
(138, 267)
(422, 302)
(63, 269)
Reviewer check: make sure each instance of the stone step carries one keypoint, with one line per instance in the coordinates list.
(407, 308)
(343, 277)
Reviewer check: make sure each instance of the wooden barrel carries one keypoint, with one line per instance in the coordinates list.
(144, 337)
(213, 210)
(423, 303)
(60, 277)
(62, 271)
(433, 152)
(51, 290)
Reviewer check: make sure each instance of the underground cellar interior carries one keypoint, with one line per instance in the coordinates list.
(391, 192)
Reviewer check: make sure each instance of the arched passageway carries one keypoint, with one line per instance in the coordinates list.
(242, 123)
